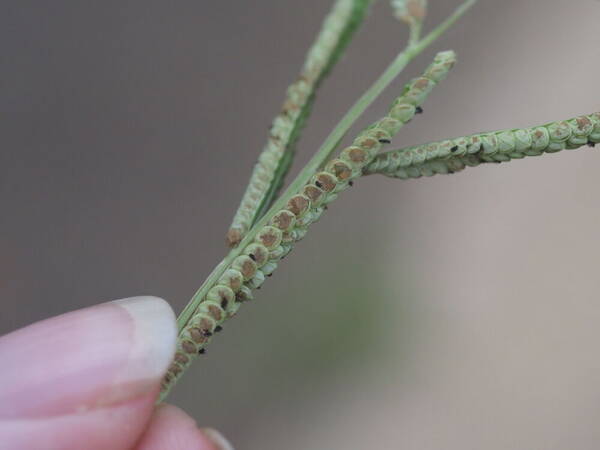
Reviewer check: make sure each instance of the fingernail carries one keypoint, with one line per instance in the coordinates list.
(88, 358)
(153, 340)
(217, 439)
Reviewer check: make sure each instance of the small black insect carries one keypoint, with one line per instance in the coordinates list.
(350, 183)
(318, 184)
(202, 351)
(269, 274)
(418, 110)
(206, 333)
(385, 141)
(218, 328)
(224, 303)
(591, 144)
(453, 149)
(252, 257)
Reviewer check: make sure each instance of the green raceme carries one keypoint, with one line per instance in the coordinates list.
(271, 235)
(267, 224)
(453, 155)
(277, 155)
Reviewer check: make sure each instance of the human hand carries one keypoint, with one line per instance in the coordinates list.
(89, 380)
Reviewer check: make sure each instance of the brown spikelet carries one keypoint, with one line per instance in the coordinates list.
(284, 220)
(325, 181)
(298, 205)
(233, 237)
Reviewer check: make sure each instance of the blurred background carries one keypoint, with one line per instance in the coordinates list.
(455, 312)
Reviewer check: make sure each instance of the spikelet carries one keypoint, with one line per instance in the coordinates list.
(410, 11)
(453, 155)
(289, 225)
(277, 155)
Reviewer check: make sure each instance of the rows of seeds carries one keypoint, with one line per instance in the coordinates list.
(275, 240)
(337, 24)
(453, 155)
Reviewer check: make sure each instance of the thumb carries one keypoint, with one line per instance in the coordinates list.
(85, 379)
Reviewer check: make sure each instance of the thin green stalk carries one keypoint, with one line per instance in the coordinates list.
(415, 33)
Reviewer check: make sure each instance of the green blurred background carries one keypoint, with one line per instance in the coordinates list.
(457, 312)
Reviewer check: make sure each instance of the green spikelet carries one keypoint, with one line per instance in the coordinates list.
(411, 12)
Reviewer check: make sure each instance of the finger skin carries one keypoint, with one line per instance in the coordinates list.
(116, 427)
(171, 428)
(86, 379)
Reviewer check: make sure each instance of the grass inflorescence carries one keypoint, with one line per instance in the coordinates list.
(289, 225)
(266, 226)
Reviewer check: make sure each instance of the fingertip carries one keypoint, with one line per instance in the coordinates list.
(69, 379)
(90, 358)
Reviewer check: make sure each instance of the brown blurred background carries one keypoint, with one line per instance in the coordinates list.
(457, 312)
